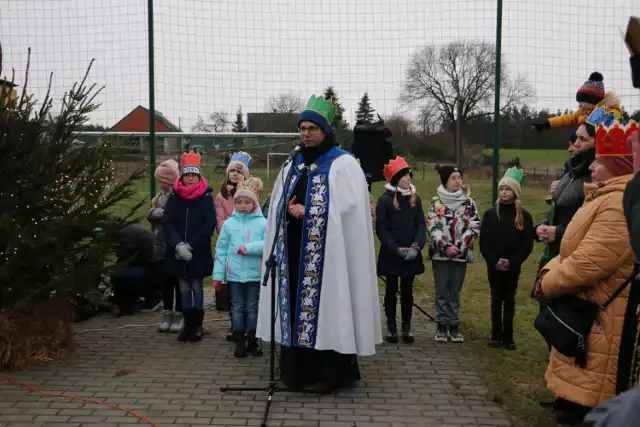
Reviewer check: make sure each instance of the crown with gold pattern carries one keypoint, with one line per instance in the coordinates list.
(394, 166)
(248, 188)
(190, 163)
(615, 140)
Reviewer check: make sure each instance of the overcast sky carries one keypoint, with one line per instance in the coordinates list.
(217, 55)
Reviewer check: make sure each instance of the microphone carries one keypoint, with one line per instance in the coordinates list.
(294, 153)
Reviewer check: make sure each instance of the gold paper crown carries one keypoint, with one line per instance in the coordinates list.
(615, 140)
(249, 185)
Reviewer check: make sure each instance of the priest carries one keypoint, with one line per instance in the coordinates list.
(327, 308)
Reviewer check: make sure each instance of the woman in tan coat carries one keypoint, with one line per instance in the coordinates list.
(595, 259)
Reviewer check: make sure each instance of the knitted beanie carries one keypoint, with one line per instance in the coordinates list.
(167, 172)
(248, 189)
(241, 162)
(591, 91)
(617, 165)
(445, 172)
(512, 184)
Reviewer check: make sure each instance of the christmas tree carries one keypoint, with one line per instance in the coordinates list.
(57, 198)
(338, 122)
(365, 110)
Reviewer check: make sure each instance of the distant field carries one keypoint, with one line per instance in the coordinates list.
(531, 158)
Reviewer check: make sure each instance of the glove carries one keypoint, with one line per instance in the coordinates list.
(541, 125)
(217, 285)
(242, 250)
(451, 251)
(402, 252)
(182, 252)
(411, 254)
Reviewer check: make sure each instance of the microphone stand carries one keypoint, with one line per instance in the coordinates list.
(270, 273)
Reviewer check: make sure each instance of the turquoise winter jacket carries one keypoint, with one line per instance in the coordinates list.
(238, 230)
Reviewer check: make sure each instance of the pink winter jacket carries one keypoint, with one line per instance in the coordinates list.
(224, 209)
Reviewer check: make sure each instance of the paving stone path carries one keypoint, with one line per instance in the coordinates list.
(174, 384)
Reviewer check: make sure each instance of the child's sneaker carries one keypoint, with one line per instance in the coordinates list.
(494, 344)
(165, 323)
(441, 334)
(510, 346)
(455, 335)
(177, 322)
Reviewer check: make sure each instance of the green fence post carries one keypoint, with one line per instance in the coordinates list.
(496, 114)
(152, 106)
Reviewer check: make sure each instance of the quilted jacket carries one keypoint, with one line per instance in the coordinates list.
(595, 259)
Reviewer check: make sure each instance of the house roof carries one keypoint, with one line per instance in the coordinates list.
(5, 82)
(158, 115)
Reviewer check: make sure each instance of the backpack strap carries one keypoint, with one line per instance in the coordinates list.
(621, 288)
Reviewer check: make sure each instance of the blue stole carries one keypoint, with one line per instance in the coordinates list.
(312, 248)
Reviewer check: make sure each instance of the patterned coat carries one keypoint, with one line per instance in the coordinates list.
(450, 224)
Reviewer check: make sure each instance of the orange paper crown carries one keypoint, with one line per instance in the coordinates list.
(393, 167)
(190, 162)
(615, 140)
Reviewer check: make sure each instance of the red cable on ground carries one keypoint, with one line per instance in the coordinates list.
(86, 399)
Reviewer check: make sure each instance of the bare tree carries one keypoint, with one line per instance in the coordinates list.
(457, 81)
(217, 122)
(285, 103)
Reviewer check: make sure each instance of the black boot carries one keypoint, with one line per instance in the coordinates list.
(392, 331)
(407, 335)
(241, 349)
(253, 345)
(230, 333)
(187, 328)
(198, 332)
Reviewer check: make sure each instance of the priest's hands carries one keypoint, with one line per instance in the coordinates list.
(296, 210)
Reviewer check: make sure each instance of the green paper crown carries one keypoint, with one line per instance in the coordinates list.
(515, 174)
(322, 106)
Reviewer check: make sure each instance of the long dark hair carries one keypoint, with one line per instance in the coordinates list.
(226, 193)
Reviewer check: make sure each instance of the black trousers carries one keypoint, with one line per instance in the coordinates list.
(406, 297)
(171, 293)
(503, 303)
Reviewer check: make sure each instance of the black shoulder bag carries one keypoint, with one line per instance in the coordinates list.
(565, 322)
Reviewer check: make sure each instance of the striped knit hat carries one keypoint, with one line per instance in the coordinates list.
(591, 91)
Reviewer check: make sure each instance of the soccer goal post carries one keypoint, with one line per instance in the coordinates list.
(273, 163)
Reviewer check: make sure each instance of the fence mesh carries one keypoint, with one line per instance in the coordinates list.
(214, 59)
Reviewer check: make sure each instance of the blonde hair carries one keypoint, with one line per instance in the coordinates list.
(412, 199)
(519, 222)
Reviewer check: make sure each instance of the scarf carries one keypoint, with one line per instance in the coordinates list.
(402, 191)
(452, 200)
(192, 191)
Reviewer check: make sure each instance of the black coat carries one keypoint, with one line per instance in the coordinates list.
(135, 247)
(192, 222)
(568, 197)
(399, 228)
(631, 204)
(499, 237)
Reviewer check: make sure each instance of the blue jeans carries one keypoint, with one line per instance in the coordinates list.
(244, 304)
(192, 292)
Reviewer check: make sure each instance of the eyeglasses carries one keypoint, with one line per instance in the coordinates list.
(310, 129)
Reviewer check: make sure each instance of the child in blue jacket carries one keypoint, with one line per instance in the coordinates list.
(189, 220)
(238, 260)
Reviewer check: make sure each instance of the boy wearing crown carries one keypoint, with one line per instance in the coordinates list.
(189, 221)
(506, 241)
(327, 310)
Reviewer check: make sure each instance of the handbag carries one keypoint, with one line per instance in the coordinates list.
(565, 322)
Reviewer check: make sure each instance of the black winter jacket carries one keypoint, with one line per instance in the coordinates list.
(499, 237)
(568, 197)
(399, 228)
(192, 222)
(631, 204)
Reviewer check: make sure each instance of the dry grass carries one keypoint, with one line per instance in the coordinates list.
(40, 332)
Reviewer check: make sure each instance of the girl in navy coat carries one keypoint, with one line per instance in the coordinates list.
(189, 221)
(402, 231)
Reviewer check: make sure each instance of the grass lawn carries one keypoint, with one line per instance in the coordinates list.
(515, 378)
(532, 158)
